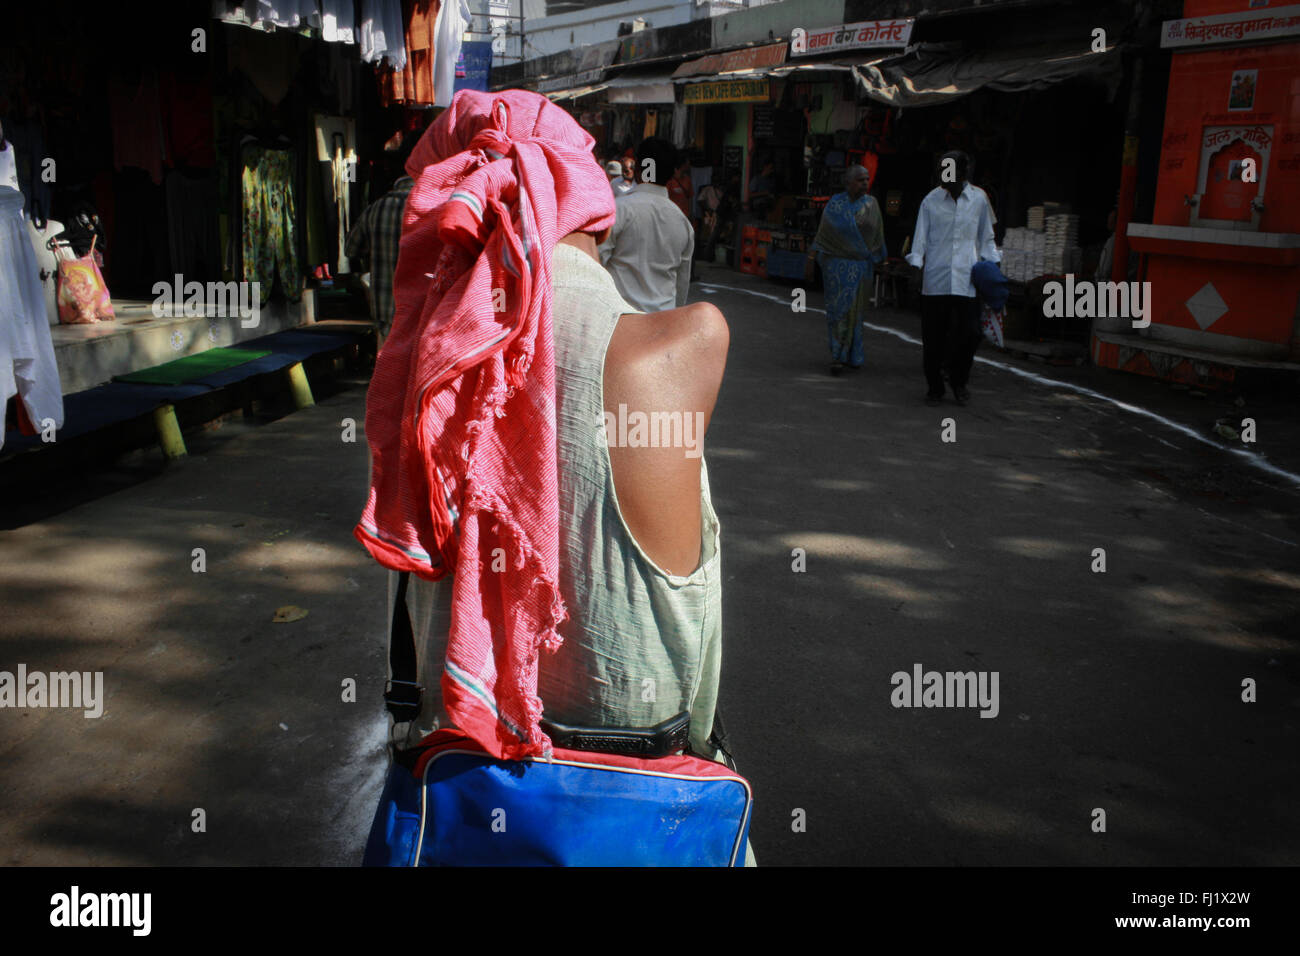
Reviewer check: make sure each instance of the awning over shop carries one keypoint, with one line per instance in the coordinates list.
(575, 93)
(570, 81)
(654, 87)
(804, 71)
(584, 72)
(933, 73)
(755, 59)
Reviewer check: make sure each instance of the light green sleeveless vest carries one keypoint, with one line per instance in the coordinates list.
(640, 645)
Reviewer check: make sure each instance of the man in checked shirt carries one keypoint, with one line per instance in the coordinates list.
(377, 235)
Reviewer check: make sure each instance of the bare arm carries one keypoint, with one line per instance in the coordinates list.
(668, 361)
(684, 268)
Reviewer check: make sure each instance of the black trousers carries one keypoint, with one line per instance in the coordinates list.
(950, 334)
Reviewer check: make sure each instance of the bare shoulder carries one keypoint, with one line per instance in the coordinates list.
(679, 354)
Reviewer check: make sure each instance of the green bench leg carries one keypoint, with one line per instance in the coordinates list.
(302, 397)
(169, 431)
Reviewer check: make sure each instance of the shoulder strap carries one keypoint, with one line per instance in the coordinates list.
(403, 692)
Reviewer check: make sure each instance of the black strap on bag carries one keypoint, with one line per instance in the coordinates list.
(719, 740)
(403, 693)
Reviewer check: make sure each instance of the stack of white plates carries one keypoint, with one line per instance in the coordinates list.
(1062, 230)
(1061, 243)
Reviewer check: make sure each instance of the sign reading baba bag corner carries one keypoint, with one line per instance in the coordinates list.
(851, 36)
(726, 91)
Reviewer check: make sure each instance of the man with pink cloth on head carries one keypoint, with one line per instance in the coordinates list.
(550, 566)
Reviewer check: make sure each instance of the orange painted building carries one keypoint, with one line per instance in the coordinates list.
(1223, 252)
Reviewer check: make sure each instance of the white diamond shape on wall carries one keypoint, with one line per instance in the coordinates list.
(1207, 306)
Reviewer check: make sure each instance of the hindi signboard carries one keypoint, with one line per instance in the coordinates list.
(726, 91)
(1275, 24)
(474, 66)
(851, 36)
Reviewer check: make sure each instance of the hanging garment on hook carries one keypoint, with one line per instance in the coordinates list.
(27, 365)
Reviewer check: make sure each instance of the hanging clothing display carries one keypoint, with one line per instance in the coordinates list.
(623, 120)
(27, 150)
(336, 21)
(137, 254)
(267, 14)
(27, 365)
(9, 169)
(135, 108)
(234, 12)
(413, 85)
(269, 62)
(187, 121)
(453, 21)
(336, 149)
(682, 131)
(288, 14)
(270, 245)
(337, 78)
(382, 33)
(192, 225)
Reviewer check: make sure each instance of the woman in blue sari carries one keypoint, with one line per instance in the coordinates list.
(849, 243)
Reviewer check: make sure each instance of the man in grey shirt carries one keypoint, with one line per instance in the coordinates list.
(649, 249)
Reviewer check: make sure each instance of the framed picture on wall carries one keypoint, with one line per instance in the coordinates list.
(1241, 95)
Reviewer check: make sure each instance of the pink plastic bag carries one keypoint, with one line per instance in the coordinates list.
(991, 323)
(83, 295)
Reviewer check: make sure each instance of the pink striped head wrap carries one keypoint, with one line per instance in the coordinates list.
(460, 415)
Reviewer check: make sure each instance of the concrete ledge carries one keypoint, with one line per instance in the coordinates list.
(1208, 356)
(1207, 234)
(90, 355)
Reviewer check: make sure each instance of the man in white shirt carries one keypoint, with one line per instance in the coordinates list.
(954, 230)
(649, 249)
(618, 183)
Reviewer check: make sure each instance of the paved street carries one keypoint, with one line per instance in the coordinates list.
(1119, 691)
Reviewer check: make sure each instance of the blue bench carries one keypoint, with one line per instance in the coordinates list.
(117, 402)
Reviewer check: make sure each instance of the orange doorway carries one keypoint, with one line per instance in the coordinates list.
(1227, 196)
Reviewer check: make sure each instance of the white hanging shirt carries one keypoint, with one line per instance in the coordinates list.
(28, 368)
(383, 33)
(453, 20)
(8, 166)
